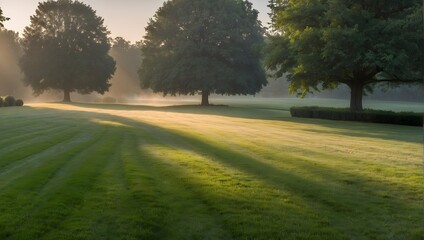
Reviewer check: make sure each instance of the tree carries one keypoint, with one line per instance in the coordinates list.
(203, 46)
(125, 82)
(2, 18)
(10, 73)
(361, 44)
(66, 47)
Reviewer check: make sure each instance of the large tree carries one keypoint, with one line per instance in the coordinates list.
(66, 47)
(203, 46)
(359, 43)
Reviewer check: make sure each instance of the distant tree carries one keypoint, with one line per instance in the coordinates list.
(66, 47)
(203, 46)
(2, 18)
(125, 82)
(323, 43)
(10, 73)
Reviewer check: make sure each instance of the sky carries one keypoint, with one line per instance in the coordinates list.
(124, 18)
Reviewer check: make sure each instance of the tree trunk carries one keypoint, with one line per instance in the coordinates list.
(205, 98)
(356, 94)
(66, 96)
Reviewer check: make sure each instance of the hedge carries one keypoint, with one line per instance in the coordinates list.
(19, 102)
(9, 101)
(368, 115)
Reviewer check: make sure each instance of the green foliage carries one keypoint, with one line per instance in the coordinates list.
(322, 44)
(1, 102)
(2, 18)
(9, 101)
(194, 46)
(66, 47)
(375, 116)
(19, 102)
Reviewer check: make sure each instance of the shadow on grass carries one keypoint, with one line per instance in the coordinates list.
(350, 129)
(352, 209)
(217, 110)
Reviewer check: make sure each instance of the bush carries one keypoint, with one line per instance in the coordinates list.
(19, 103)
(344, 114)
(9, 101)
(1, 102)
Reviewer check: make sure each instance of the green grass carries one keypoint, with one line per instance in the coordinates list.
(245, 171)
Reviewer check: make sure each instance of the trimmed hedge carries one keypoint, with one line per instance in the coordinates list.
(344, 114)
(9, 101)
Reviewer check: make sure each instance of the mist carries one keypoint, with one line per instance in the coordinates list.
(278, 88)
(10, 73)
(125, 83)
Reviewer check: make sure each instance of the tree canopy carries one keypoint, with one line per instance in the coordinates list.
(2, 18)
(66, 47)
(324, 43)
(194, 46)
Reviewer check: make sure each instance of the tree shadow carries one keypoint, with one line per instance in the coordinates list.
(350, 129)
(216, 110)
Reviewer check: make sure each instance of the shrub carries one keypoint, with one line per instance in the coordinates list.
(1, 102)
(344, 114)
(9, 101)
(19, 103)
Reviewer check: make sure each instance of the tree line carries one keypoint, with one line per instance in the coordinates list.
(220, 47)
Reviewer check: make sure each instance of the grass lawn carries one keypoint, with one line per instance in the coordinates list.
(95, 171)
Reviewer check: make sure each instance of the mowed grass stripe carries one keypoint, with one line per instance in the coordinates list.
(20, 149)
(24, 134)
(123, 203)
(31, 129)
(104, 208)
(12, 155)
(31, 185)
(19, 168)
(56, 204)
(188, 216)
(24, 121)
(76, 159)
